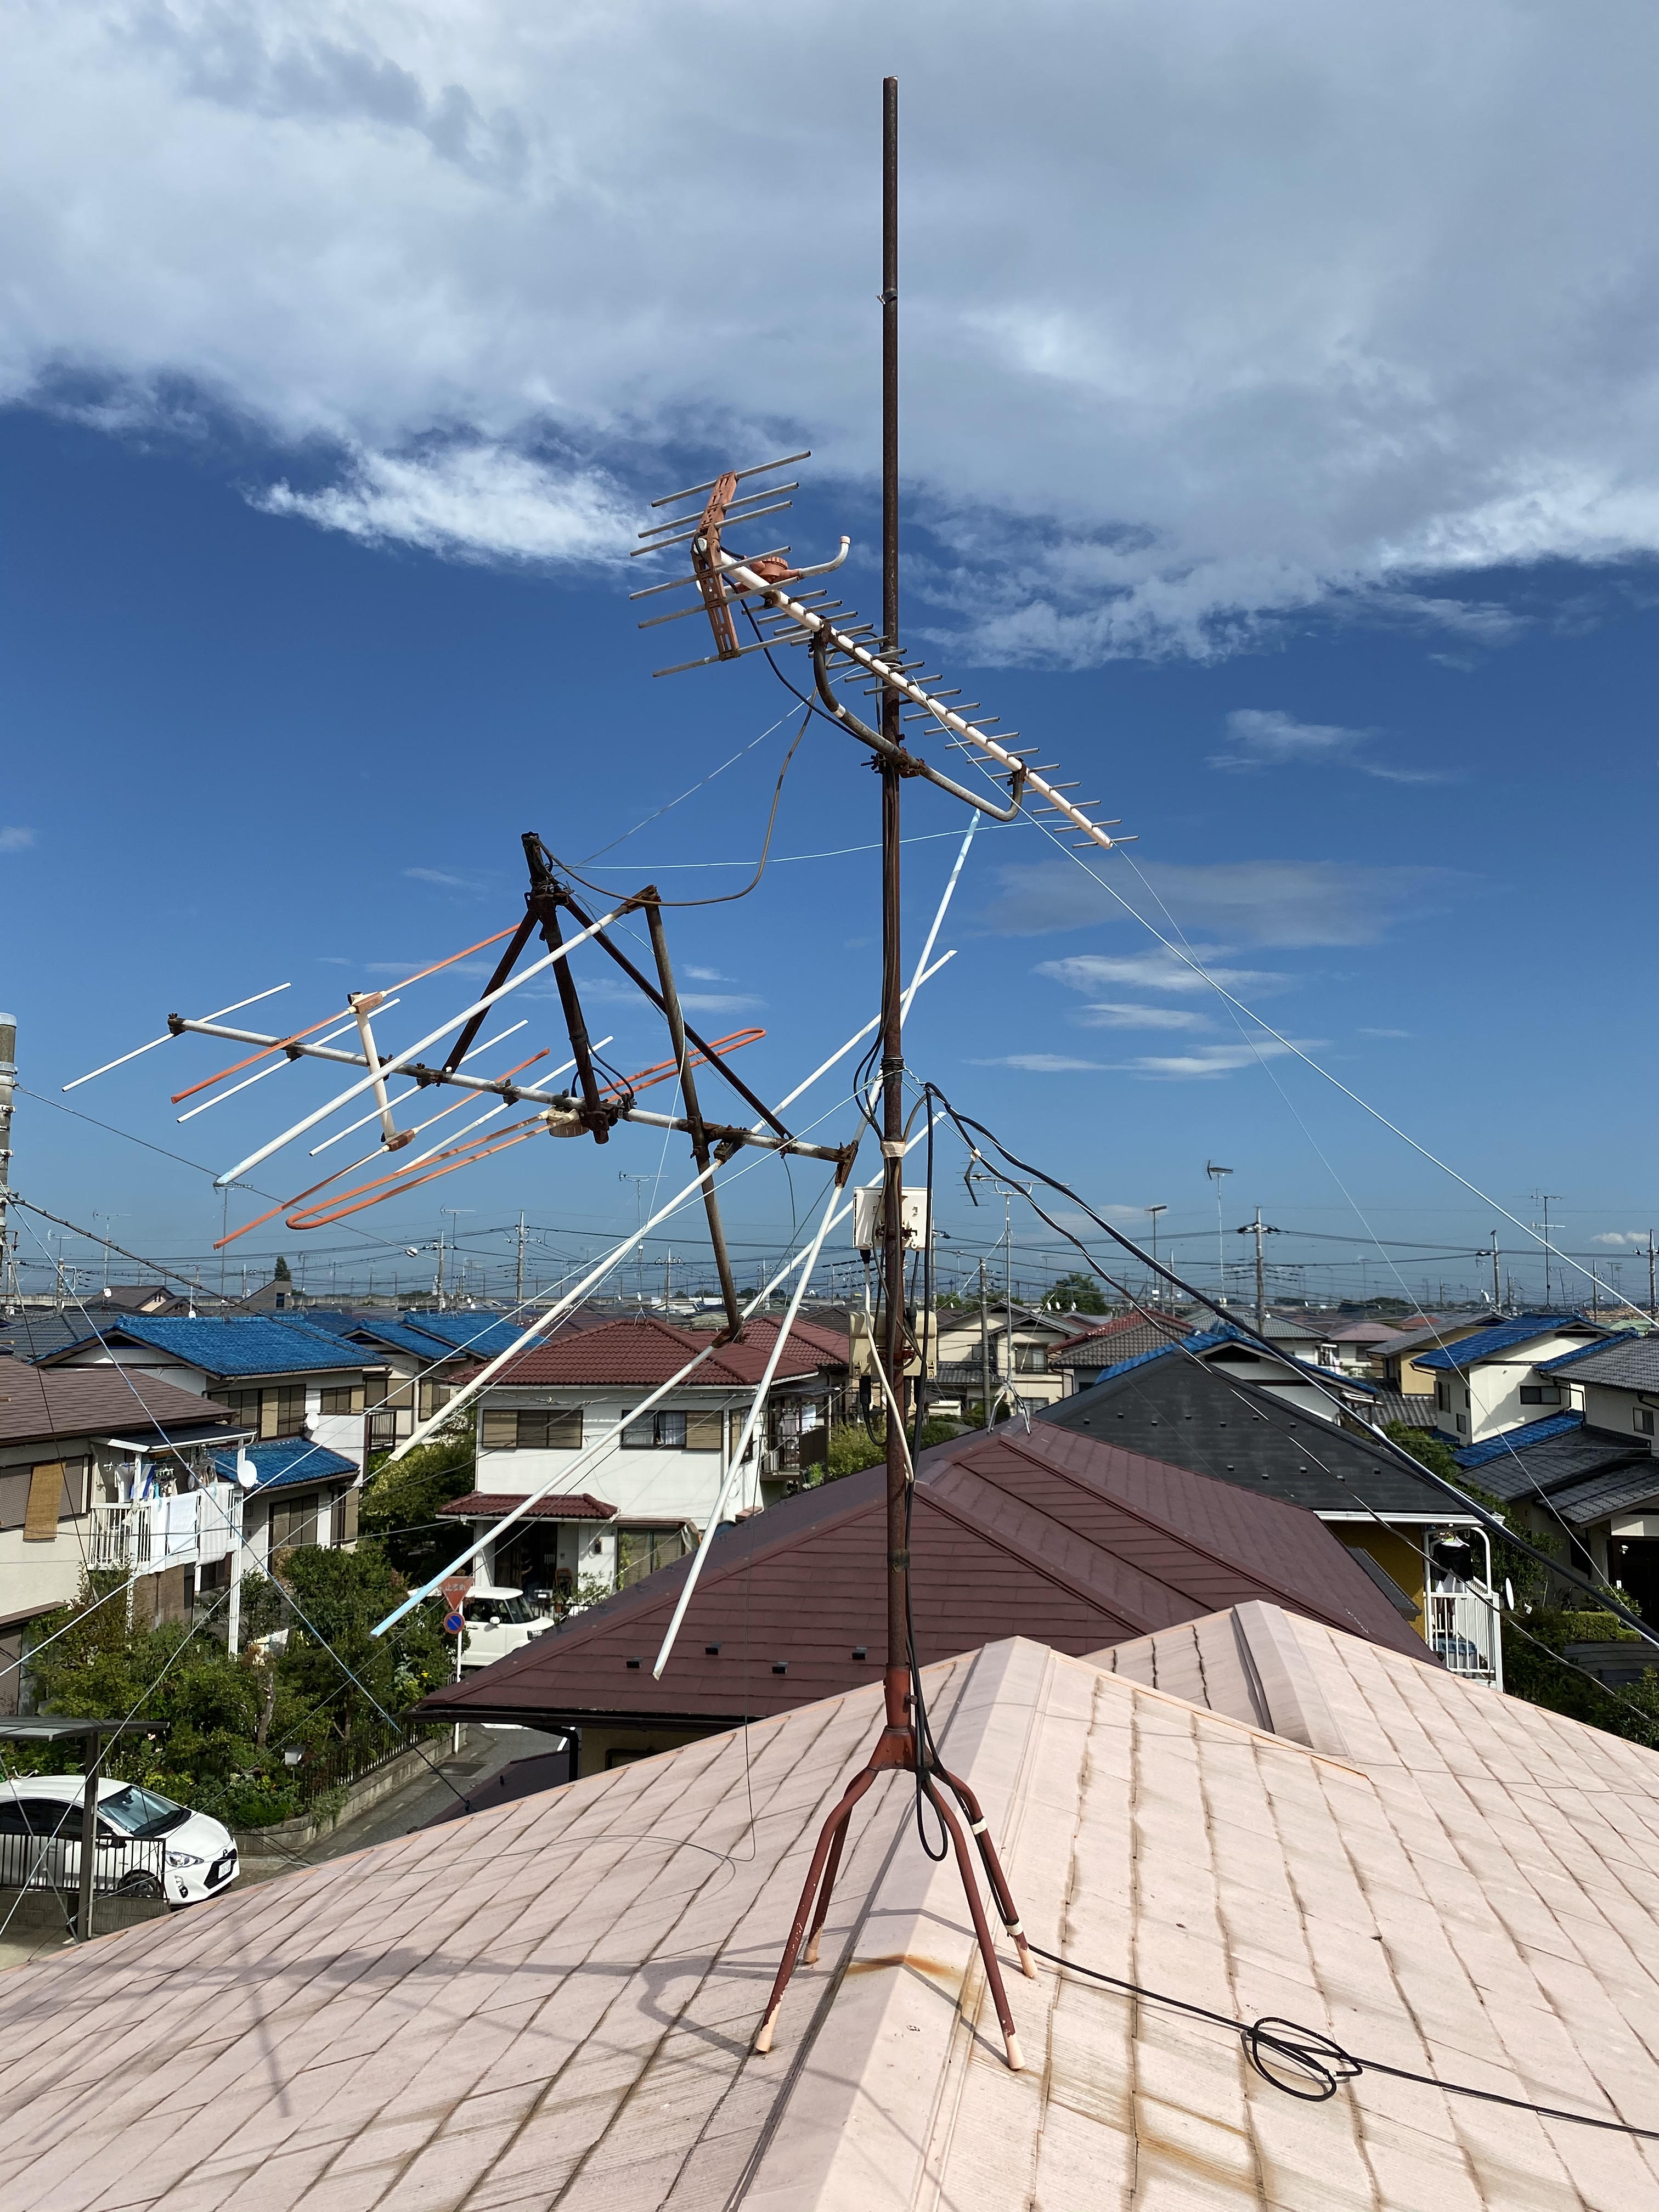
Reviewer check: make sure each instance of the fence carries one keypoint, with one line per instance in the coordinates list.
(192, 1527)
(1463, 1628)
(43, 1861)
(343, 1764)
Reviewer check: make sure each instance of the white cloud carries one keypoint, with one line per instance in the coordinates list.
(15, 839)
(1210, 315)
(1264, 738)
(718, 1002)
(1385, 1033)
(1039, 1063)
(1112, 1014)
(1623, 1237)
(1210, 1061)
(1279, 903)
(707, 975)
(441, 878)
(1150, 972)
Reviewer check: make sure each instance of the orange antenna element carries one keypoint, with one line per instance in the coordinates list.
(296, 1036)
(664, 1069)
(373, 1193)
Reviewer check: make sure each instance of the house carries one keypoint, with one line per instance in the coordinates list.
(302, 1493)
(1359, 1345)
(1084, 1358)
(1614, 1383)
(410, 1370)
(1202, 1415)
(971, 1342)
(277, 1378)
(641, 1503)
(1321, 1391)
(1398, 1359)
(1487, 1381)
(553, 2003)
(1041, 1534)
(101, 1468)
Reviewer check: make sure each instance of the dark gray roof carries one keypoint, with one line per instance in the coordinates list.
(1178, 1409)
(1629, 1363)
(1109, 1347)
(1417, 1413)
(1583, 1473)
(34, 1332)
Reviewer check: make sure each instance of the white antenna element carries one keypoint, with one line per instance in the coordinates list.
(597, 1274)
(275, 1068)
(454, 1021)
(234, 1007)
(414, 1091)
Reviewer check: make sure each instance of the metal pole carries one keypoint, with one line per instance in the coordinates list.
(892, 1017)
(518, 1280)
(1497, 1294)
(1155, 1211)
(984, 1346)
(1260, 1278)
(8, 1085)
(1653, 1294)
(89, 1836)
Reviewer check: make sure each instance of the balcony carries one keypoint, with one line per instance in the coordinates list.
(194, 1528)
(1462, 1627)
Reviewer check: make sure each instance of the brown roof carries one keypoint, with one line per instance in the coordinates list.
(1051, 1535)
(1127, 1341)
(43, 1403)
(569, 1505)
(640, 1351)
(551, 2003)
(1174, 1325)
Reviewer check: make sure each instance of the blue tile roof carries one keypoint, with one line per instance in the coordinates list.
(483, 1333)
(259, 1345)
(1512, 1440)
(287, 1462)
(1502, 1336)
(1203, 1341)
(1583, 1351)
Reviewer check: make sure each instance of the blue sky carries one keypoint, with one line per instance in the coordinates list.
(1341, 594)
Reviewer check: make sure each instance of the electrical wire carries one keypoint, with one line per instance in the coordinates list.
(1316, 2066)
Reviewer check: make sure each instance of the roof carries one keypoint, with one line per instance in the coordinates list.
(1581, 1474)
(1625, 1362)
(1045, 1535)
(1198, 1416)
(563, 1505)
(551, 2002)
(1205, 1341)
(639, 1352)
(39, 1404)
(264, 1345)
(32, 1333)
(1409, 1408)
(1505, 1336)
(287, 1463)
(483, 1334)
(1127, 1339)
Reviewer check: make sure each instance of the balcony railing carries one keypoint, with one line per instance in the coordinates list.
(193, 1528)
(1463, 1628)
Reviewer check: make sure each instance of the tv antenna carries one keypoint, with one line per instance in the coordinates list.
(838, 646)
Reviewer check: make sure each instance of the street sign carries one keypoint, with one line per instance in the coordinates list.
(455, 1589)
(453, 1624)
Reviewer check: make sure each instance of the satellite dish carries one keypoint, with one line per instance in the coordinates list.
(1508, 1594)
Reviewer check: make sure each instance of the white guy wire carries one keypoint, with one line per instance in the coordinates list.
(235, 1007)
(399, 1059)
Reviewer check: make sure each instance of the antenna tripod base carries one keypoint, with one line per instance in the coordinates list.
(896, 1752)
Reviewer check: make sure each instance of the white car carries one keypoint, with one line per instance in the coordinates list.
(147, 1846)
(498, 1621)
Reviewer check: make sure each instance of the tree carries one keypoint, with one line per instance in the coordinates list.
(400, 1502)
(1077, 1293)
(282, 1274)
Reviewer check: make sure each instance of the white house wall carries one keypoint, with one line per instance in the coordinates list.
(642, 1484)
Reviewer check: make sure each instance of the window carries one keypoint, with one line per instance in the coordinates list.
(1463, 1423)
(559, 1429)
(641, 1552)
(1643, 1421)
(1442, 1398)
(434, 1396)
(656, 1432)
(702, 1431)
(242, 1406)
(343, 1397)
(342, 1517)
(293, 1524)
(1030, 1358)
(1541, 1394)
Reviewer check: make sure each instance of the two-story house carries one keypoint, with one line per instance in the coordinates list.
(104, 1469)
(412, 1362)
(645, 1499)
(974, 1348)
(1492, 1379)
(274, 1378)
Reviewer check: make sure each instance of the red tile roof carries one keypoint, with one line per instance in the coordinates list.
(559, 1505)
(1072, 1542)
(640, 1351)
(1174, 1325)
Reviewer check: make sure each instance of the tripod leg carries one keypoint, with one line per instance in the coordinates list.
(980, 1829)
(830, 1836)
(809, 1957)
(982, 1930)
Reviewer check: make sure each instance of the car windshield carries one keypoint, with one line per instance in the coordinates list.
(515, 1611)
(135, 1812)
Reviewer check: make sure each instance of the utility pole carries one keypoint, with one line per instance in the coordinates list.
(518, 1280)
(1155, 1211)
(1215, 1174)
(1653, 1293)
(7, 1086)
(1497, 1297)
(1546, 1198)
(1258, 1229)
(984, 1346)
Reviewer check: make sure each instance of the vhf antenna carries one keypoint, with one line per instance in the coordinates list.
(838, 645)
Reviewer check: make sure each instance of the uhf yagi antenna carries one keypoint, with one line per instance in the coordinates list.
(599, 1098)
(764, 587)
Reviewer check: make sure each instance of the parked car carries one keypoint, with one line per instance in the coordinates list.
(147, 1846)
(498, 1621)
